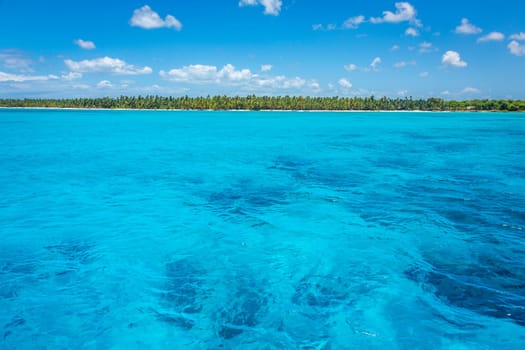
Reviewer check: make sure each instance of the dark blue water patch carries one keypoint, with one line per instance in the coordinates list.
(247, 194)
(79, 252)
(14, 325)
(487, 286)
(248, 304)
(516, 216)
(452, 147)
(18, 269)
(472, 209)
(337, 175)
(323, 293)
(183, 293)
(244, 217)
(467, 220)
(290, 164)
(516, 170)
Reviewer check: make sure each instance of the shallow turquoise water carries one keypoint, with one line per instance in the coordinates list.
(207, 230)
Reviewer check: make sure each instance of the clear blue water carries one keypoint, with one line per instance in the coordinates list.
(208, 230)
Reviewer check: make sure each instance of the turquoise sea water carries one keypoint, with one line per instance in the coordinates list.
(224, 230)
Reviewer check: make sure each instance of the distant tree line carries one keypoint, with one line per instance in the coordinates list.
(253, 102)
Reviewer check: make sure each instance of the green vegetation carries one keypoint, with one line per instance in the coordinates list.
(272, 103)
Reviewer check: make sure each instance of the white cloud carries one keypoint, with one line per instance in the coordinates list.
(146, 18)
(403, 64)
(467, 28)
(426, 47)
(314, 85)
(453, 58)
(266, 67)
(71, 76)
(281, 82)
(494, 36)
(518, 36)
(85, 44)
(343, 82)
(317, 27)
(375, 63)
(331, 26)
(106, 65)
(354, 22)
(470, 90)
(405, 12)
(516, 48)
(402, 92)
(350, 67)
(199, 73)
(411, 32)
(394, 48)
(423, 74)
(6, 77)
(104, 84)
(230, 76)
(271, 7)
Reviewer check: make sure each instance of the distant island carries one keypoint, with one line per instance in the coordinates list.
(285, 103)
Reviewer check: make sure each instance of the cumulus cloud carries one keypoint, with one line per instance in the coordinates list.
(516, 48)
(350, 23)
(411, 32)
(423, 74)
(343, 82)
(351, 67)
(467, 28)
(353, 22)
(453, 59)
(518, 36)
(394, 48)
(17, 78)
(199, 73)
(493, 36)
(146, 18)
(405, 12)
(229, 75)
(106, 65)
(85, 44)
(271, 7)
(266, 67)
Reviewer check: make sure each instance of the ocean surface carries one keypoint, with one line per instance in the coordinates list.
(261, 230)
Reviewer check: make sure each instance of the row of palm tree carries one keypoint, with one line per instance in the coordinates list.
(253, 102)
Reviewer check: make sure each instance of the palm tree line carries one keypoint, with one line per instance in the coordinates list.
(253, 102)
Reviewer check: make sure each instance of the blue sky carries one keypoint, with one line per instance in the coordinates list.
(448, 48)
